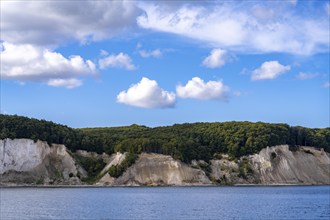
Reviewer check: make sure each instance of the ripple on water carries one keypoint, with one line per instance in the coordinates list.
(290, 202)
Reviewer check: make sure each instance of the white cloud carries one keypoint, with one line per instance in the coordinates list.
(304, 76)
(196, 88)
(31, 37)
(153, 53)
(232, 26)
(67, 83)
(30, 63)
(216, 58)
(327, 8)
(120, 60)
(269, 70)
(326, 84)
(228, 25)
(147, 94)
(55, 22)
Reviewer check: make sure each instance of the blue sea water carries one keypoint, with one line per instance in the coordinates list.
(289, 202)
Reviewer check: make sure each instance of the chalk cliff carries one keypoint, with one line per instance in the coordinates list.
(305, 165)
(25, 162)
(157, 169)
(114, 160)
(275, 165)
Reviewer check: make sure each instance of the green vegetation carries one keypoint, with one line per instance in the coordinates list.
(206, 167)
(293, 148)
(273, 155)
(199, 141)
(308, 152)
(93, 166)
(244, 168)
(12, 126)
(118, 170)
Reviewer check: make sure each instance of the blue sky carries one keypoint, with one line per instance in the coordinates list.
(113, 63)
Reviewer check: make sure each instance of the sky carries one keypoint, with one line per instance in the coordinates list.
(156, 63)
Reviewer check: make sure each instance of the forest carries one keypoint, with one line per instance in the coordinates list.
(182, 141)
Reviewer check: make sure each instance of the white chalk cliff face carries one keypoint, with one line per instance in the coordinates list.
(23, 161)
(21, 155)
(276, 165)
(26, 161)
(158, 169)
(280, 165)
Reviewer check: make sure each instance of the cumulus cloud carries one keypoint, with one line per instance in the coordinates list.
(55, 22)
(67, 83)
(233, 27)
(196, 88)
(147, 94)
(246, 27)
(120, 60)
(31, 37)
(269, 70)
(241, 26)
(153, 53)
(29, 63)
(216, 58)
(304, 76)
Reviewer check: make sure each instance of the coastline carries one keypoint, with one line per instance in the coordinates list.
(148, 186)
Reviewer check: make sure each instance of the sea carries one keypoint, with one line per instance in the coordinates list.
(221, 202)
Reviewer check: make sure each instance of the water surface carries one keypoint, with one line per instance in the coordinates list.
(290, 202)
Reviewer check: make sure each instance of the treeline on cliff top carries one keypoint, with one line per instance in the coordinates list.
(182, 141)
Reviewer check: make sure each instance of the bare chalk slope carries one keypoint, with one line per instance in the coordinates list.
(23, 161)
(158, 169)
(275, 165)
